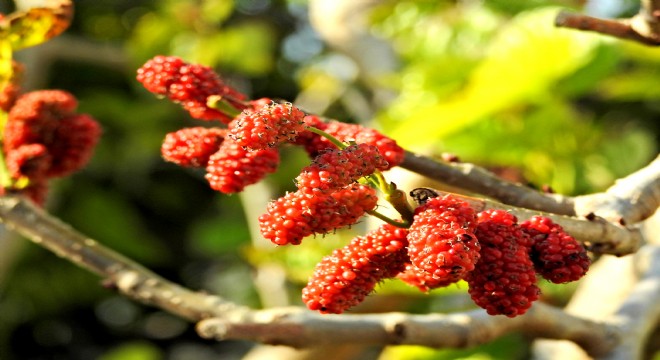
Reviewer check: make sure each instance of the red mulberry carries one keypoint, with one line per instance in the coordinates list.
(192, 146)
(334, 168)
(441, 239)
(557, 256)
(47, 117)
(74, 141)
(298, 214)
(342, 207)
(315, 144)
(31, 161)
(34, 117)
(343, 279)
(190, 85)
(287, 219)
(232, 168)
(421, 279)
(267, 126)
(503, 281)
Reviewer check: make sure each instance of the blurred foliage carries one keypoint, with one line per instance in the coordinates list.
(491, 81)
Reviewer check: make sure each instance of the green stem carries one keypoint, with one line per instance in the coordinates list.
(223, 105)
(331, 138)
(402, 224)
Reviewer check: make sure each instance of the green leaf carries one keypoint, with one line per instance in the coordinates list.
(524, 60)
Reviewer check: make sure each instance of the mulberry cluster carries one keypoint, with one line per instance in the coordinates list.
(504, 280)
(190, 85)
(44, 138)
(246, 150)
(557, 256)
(344, 278)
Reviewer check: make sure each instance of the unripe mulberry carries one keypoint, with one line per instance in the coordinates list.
(267, 126)
(503, 281)
(232, 167)
(314, 144)
(192, 146)
(335, 168)
(441, 239)
(557, 256)
(190, 85)
(344, 278)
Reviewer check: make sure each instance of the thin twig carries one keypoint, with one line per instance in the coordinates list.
(481, 181)
(644, 27)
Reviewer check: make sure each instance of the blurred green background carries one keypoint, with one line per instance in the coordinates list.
(491, 81)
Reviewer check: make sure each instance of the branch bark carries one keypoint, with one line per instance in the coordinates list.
(222, 319)
(643, 27)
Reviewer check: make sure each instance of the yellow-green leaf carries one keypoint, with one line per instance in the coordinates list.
(32, 27)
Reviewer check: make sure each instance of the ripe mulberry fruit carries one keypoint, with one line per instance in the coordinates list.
(192, 146)
(232, 167)
(344, 278)
(442, 241)
(503, 281)
(298, 214)
(31, 161)
(48, 117)
(287, 219)
(73, 145)
(190, 85)
(335, 168)
(267, 126)
(424, 281)
(557, 256)
(342, 207)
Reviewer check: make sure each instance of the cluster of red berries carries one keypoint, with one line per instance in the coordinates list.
(43, 138)
(447, 242)
(244, 150)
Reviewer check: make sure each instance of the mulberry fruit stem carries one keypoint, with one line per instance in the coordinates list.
(340, 145)
(402, 224)
(219, 102)
(399, 201)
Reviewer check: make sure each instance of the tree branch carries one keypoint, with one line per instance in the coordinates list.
(130, 278)
(630, 200)
(291, 326)
(299, 328)
(644, 27)
(598, 235)
(481, 181)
